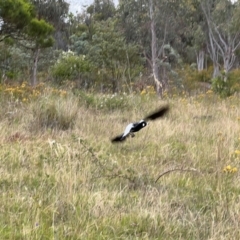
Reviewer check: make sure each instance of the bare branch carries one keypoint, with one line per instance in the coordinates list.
(177, 169)
(220, 36)
(163, 42)
(234, 39)
(147, 58)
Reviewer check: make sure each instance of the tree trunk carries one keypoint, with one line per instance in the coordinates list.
(200, 60)
(155, 67)
(216, 70)
(228, 59)
(214, 55)
(35, 65)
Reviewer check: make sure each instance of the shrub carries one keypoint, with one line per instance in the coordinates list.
(113, 102)
(70, 67)
(191, 77)
(226, 86)
(86, 99)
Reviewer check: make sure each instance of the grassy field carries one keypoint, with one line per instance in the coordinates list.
(62, 178)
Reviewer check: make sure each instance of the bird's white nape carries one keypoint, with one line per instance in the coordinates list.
(127, 130)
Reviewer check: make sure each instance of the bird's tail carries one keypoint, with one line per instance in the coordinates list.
(118, 139)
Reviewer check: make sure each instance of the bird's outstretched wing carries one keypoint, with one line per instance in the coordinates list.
(153, 116)
(157, 114)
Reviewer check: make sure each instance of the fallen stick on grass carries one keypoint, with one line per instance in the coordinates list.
(177, 169)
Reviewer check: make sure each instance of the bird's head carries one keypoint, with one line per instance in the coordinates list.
(143, 123)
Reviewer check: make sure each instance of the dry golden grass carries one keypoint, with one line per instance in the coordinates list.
(168, 182)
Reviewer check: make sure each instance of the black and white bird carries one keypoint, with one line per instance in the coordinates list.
(137, 126)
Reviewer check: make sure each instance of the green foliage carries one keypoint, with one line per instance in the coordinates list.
(14, 62)
(20, 15)
(80, 42)
(70, 67)
(21, 24)
(113, 57)
(114, 102)
(226, 86)
(113, 61)
(38, 34)
(16, 12)
(102, 10)
(39, 27)
(116, 43)
(54, 12)
(221, 87)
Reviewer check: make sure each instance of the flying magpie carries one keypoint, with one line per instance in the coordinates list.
(135, 127)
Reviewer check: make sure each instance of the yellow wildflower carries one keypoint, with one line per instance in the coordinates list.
(230, 169)
(209, 92)
(23, 85)
(237, 152)
(227, 169)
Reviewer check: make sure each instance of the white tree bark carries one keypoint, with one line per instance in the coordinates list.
(155, 67)
(200, 60)
(35, 66)
(221, 43)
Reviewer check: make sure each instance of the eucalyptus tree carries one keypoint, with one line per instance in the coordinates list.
(102, 9)
(189, 31)
(83, 25)
(148, 23)
(222, 17)
(112, 57)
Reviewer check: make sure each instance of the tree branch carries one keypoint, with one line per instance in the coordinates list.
(164, 38)
(147, 58)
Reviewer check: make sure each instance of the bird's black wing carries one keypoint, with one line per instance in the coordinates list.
(157, 114)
